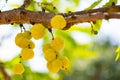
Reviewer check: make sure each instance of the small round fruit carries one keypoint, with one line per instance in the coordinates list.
(46, 47)
(21, 41)
(19, 35)
(27, 34)
(51, 55)
(65, 62)
(58, 22)
(54, 66)
(37, 31)
(31, 45)
(27, 54)
(57, 63)
(57, 43)
(18, 68)
(51, 68)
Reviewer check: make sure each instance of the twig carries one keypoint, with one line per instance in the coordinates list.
(6, 76)
(26, 4)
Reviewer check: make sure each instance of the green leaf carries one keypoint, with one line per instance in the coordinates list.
(56, 2)
(84, 53)
(15, 5)
(117, 57)
(110, 2)
(15, 25)
(93, 5)
(32, 6)
(48, 6)
(76, 2)
(15, 60)
(118, 54)
(9, 64)
(96, 26)
(70, 9)
(118, 49)
(85, 29)
(44, 0)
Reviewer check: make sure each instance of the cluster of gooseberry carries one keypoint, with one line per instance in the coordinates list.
(23, 40)
(55, 61)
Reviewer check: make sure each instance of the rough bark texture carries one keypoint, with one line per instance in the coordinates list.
(21, 16)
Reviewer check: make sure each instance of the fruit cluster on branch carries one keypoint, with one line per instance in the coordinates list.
(51, 51)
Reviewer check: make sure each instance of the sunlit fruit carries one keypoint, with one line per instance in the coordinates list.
(27, 34)
(21, 41)
(18, 68)
(31, 45)
(37, 31)
(27, 54)
(54, 66)
(65, 62)
(58, 22)
(46, 47)
(57, 43)
(51, 55)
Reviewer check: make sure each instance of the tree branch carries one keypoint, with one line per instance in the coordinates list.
(21, 16)
(6, 76)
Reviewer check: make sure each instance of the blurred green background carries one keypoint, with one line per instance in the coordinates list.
(92, 57)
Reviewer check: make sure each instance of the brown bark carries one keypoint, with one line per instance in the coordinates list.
(22, 16)
(6, 76)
